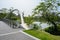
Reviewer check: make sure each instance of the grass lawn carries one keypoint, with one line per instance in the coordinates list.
(42, 35)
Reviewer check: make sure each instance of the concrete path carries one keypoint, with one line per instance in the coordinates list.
(4, 28)
(7, 33)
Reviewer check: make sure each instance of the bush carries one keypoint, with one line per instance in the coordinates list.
(52, 31)
(36, 27)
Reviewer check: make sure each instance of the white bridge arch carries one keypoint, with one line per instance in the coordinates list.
(23, 24)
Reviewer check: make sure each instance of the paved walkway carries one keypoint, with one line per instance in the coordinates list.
(7, 33)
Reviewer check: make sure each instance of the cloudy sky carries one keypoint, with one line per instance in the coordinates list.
(22, 5)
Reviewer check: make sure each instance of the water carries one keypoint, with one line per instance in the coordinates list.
(43, 25)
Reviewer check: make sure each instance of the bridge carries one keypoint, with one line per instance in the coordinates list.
(8, 33)
(9, 30)
(10, 22)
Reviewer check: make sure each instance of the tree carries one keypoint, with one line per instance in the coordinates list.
(3, 13)
(49, 11)
(29, 20)
(11, 14)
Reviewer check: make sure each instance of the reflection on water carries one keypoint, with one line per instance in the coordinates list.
(43, 25)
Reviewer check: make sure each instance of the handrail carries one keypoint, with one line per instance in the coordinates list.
(11, 23)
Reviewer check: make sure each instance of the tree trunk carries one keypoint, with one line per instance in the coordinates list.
(55, 26)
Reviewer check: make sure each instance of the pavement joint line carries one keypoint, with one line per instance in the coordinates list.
(30, 35)
(9, 33)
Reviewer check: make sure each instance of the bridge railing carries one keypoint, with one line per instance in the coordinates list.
(12, 23)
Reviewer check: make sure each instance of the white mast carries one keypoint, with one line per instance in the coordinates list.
(24, 25)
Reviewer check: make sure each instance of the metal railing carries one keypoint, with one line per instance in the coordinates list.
(11, 23)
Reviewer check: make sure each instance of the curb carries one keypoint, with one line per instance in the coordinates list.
(30, 35)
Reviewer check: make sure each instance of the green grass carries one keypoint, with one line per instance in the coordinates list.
(42, 35)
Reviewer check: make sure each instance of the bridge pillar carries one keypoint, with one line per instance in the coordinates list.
(24, 25)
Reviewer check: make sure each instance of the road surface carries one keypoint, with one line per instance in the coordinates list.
(7, 33)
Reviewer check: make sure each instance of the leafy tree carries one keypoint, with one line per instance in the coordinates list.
(11, 14)
(3, 13)
(29, 20)
(49, 12)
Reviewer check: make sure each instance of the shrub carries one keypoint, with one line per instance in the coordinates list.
(36, 27)
(52, 31)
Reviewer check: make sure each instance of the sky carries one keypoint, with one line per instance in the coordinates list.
(22, 5)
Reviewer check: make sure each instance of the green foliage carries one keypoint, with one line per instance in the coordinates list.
(52, 31)
(58, 4)
(2, 15)
(28, 20)
(9, 14)
(48, 9)
(36, 27)
(13, 18)
(58, 27)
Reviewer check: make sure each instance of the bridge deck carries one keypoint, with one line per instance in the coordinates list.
(7, 33)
